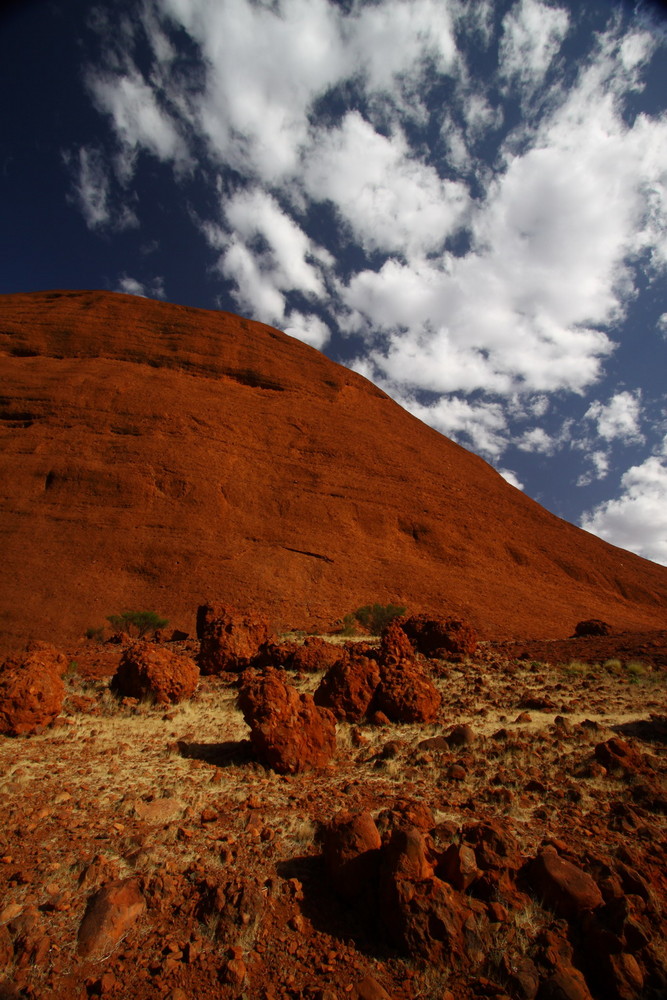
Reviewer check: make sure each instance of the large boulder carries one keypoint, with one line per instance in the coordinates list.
(348, 687)
(31, 689)
(406, 694)
(146, 671)
(228, 639)
(288, 731)
(315, 654)
(352, 853)
(438, 638)
(563, 886)
(592, 626)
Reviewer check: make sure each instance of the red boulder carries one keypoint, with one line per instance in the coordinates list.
(288, 731)
(315, 654)
(406, 694)
(31, 689)
(563, 886)
(352, 852)
(440, 638)
(348, 687)
(592, 626)
(228, 639)
(146, 671)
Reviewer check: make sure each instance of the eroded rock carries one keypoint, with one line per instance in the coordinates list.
(147, 671)
(31, 689)
(440, 638)
(288, 731)
(348, 687)
(228, 638)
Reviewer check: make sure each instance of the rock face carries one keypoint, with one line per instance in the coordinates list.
(233, 460)
(228, 638)
(146, 671)
(31, 689)
(288, 731)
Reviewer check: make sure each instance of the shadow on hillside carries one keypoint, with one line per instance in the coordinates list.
(329, 913)
(653, 730)
(220, 754)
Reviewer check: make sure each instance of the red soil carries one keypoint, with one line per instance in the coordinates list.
(155, 456)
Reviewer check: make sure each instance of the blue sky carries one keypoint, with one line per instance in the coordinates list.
(465, 201)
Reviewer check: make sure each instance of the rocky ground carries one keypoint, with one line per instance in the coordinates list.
(513, 847)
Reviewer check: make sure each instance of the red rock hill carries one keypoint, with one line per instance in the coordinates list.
(154, 456)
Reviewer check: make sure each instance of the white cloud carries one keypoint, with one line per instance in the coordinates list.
(309, 328)
(550, 266)
(153, 289)
(662, 325)
(637, 519)
(390, 199)
(139, 121)
(549, 231)
(532, 35)
(256, 291)
(255, 213)
(599, 461)
(619, 418)
(92, 191)
(511, 478)
(265, 65)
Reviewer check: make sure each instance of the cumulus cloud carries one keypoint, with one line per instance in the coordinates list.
(599, 467)
(266, 254)
(309, 328)
(619, 418)
(637, 518)
(480, 426)
(389, 199)
(154, 288)
(511, 478)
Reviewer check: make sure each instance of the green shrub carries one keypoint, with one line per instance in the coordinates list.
(139, 622)
(95, 633)
(376, 617)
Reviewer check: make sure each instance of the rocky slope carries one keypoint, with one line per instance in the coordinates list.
(154, 456)
(512, 847)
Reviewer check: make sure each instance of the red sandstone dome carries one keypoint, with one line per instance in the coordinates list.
(155, 456)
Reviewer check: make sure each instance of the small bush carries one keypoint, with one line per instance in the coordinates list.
(137, 622)
(376, 617)
(95, 633)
